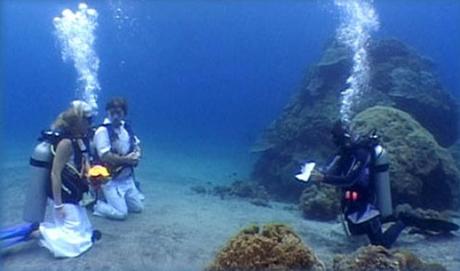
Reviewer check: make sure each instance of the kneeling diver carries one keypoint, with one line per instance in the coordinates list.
(62, 161)
(361, 170)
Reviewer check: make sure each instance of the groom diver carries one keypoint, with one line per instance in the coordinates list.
(117, 147)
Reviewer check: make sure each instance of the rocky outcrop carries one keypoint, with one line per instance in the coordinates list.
(399, 78)
(422, 173)
(320, 202)
(408, 81)
(378, 258)
(455, 151)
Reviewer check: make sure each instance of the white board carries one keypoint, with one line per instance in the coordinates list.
(304, 176)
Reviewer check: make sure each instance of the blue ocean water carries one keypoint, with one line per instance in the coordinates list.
(212, 72)
(203, 79)
(209, 72)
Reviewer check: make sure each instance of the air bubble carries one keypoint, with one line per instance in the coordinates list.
(75, 32)
(92, 12)
(82, 6)
(67, 13)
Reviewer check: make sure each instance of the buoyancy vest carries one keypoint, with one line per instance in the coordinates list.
(113, 136)
(360, 192)
(372, 186)
(73, 185)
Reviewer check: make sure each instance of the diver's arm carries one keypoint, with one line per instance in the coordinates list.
(137, 147)
(62, 156)
(118, 160)
(332, 167)
(103, 148)
(360, 164)
(138, 150)
(130, 159)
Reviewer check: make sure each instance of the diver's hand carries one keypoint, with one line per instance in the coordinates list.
(137, 155)
(316, 176)
(138, 150)
(132, 159)
(60, 213)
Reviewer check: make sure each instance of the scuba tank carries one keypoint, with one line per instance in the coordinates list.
(381, 179)
(380, 175)
(39, 179)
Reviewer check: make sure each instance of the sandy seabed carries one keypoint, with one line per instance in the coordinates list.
(182, 230)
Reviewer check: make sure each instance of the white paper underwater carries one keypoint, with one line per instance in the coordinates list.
(306, 172)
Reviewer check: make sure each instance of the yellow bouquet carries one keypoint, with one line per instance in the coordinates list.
(98, 175)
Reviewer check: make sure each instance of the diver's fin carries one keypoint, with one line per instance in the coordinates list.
(23, 230)
(428, 223)
(6, 243)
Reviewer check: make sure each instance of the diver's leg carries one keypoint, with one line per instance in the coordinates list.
(392, 233)
(115, 206)
(138, 188)
(374, 232)
(387, 238)
(70, 235)
(137, 184)
(134, 198)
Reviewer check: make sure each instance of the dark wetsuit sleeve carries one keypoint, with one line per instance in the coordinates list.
(362, 159)
(333, 167)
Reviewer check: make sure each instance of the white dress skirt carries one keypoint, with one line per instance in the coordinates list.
(69, 236)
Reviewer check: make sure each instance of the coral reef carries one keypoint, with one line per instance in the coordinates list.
(373, 258)
(455, 151)
(399, 78)
(269, 248)
(320, 202)
(407, 80)
(409, 262)
(422, 173)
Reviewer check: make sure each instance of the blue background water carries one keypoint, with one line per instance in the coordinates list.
(196, 73)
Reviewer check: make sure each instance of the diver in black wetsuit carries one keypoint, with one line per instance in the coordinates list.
(352, 169)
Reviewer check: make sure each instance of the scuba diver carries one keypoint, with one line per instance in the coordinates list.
(118, 148)
(60, 163)
(360, 168)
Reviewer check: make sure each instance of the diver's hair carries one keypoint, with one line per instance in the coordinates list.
(68, 120)
(117, 102)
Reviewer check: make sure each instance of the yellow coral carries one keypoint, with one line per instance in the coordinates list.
(272, 247)
(372, 258)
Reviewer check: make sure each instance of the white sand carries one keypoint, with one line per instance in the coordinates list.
(181, 230)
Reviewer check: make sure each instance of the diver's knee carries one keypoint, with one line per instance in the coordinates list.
(118, 215)
(138, 208)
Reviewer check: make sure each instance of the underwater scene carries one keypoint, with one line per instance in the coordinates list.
(230, 135)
